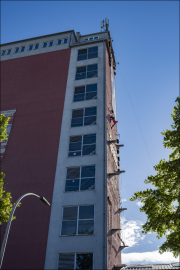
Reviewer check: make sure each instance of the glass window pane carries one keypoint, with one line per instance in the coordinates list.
(70, 213)
(93, 49)
(76, 139)
(69, 227)
(88, 171)
(91, 87)
(79, 90)
(82, 57)
(22, 49)
(66, 261)
(80, 76)
(77, 113)
(87, 183)
(74, 153)
(36, 46)
(81, 69)
(73, 173)
(72, 185)
(75, 146)
(65, 40)
(44, 44)
(50, 43)
(89, 149)
(86, 212)
(59, 41)
(3, 53)
(92, 52)
(90, 120)
(92, 67)
(84, 261)
(91, 95)
(86, 227)
(95, 37)
(91, 74)
(30, 47)
(16, 50)
(79, 97)
(91, 38)
(90, 111)
(77, 122)
(84, 51)
(9, 51)
(90, 138)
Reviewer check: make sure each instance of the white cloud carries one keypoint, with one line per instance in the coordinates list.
(148, 257)
(140, 204)
(123, 200)
(150, 242)
(131, 232)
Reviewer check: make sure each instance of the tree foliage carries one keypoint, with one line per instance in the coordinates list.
(5, 197)
(162, 205)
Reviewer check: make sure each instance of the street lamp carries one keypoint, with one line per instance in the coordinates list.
(10, 220)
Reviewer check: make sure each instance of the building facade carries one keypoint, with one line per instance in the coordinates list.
(59, 91)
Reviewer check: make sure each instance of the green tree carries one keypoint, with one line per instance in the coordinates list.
(5, 197)
(162, 205)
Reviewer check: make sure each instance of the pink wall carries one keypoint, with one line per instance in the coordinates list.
(35, 86)
(113, 216)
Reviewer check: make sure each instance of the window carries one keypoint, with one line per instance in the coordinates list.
(96, 37)
(78, 220)
(83, 117)
(86, 72)
(50, 43)
(36, 46)
(78, 261)
(22, 49)
(44, 44)
(16, 50)
(87, 53)
(59, 42)
(82, 145)
(91, 38)
(3, 53)
(30, 47)
(9, 51)
(85, 39)
(65, 40)
(85, 92)
(80, 178)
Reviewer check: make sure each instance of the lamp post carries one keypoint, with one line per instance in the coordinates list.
(10, 220)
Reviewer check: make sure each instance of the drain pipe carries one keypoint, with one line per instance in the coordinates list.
(105, 166)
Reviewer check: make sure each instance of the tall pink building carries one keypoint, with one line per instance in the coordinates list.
(59, 91)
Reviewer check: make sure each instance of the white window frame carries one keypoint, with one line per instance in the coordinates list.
(16, 49)
(86, 71)
(82, 136)
(87, 53)
(8, 51)
(59, 40)
(44, 43)
(75, 253)
(84, 115)
(80, 178)
(65, 206)
(35, 46)
(91, 38)
(50, 42)
(21, 49)
(3, 51)
(64, 40)
(29, 47)
(85, 91)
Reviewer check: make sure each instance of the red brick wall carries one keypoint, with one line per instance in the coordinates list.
(113, 216)
(35, 86)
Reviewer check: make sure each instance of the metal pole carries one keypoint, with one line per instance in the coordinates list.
(10, 220)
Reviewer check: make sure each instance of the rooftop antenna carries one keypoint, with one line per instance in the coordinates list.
(105, 23)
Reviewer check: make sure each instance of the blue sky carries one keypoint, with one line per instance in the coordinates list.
(146, 45)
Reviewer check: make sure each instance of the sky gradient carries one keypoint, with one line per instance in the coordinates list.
(146, 44)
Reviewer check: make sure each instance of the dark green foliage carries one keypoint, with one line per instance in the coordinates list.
(162, 205)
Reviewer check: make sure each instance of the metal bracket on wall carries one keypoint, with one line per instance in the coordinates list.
(113, 141)
(122, 209)
(122, 247)
(115, 230)
(115, 173)
(119, 145)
